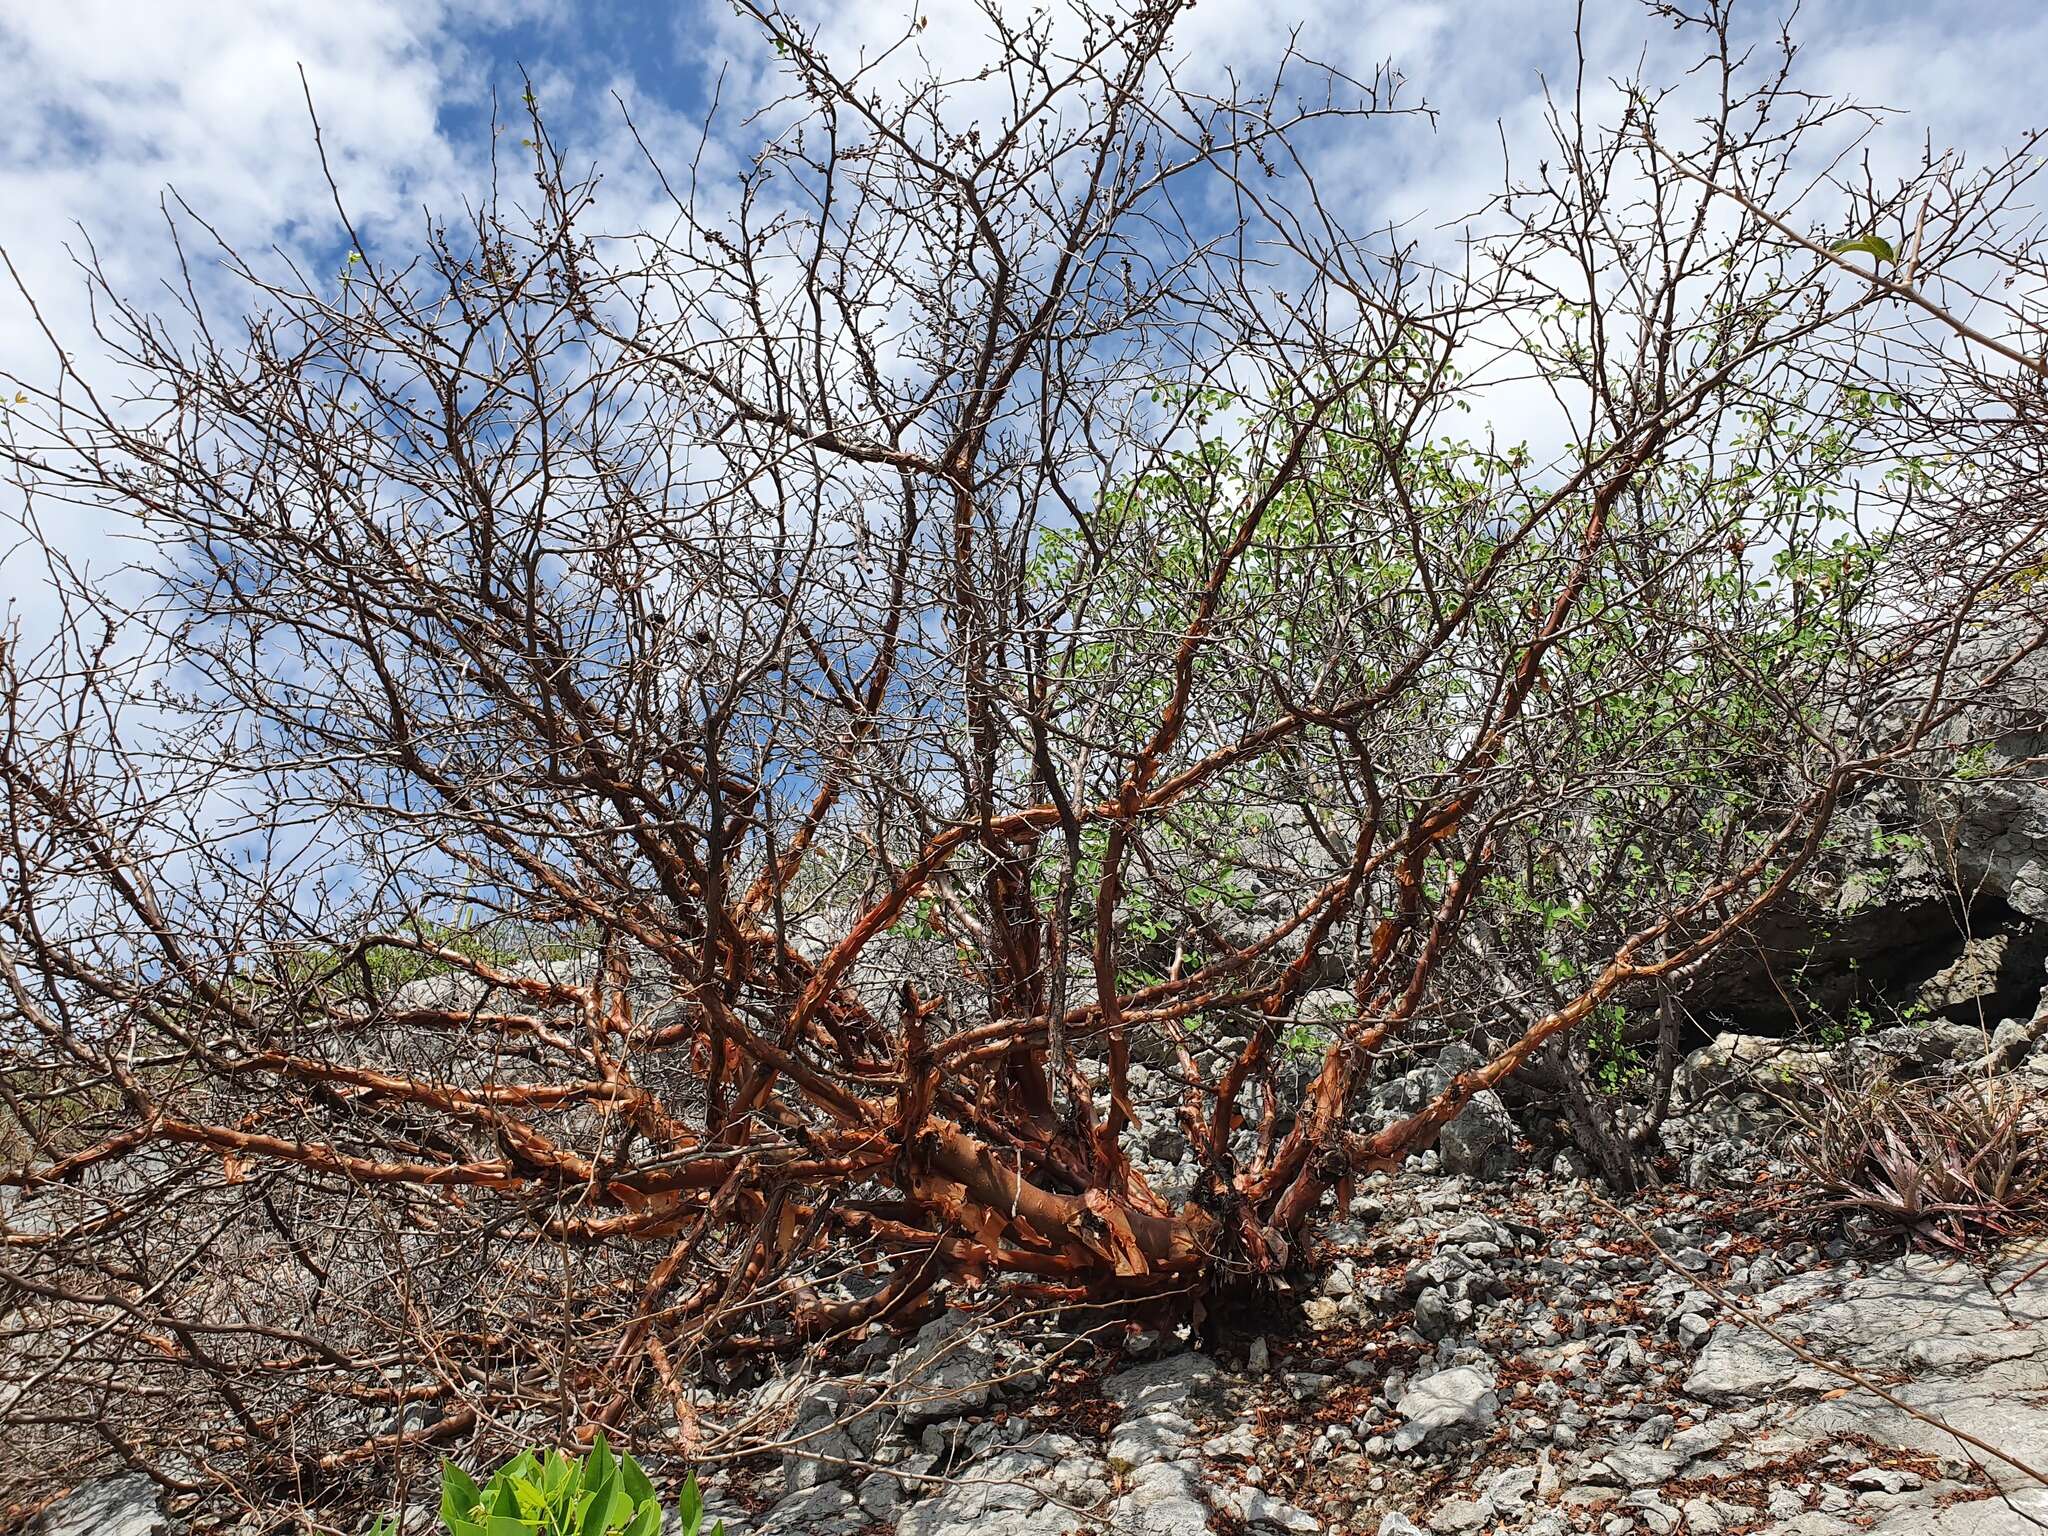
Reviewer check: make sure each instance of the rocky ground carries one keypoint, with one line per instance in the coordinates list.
(1520, 1359)
(1491, 1349)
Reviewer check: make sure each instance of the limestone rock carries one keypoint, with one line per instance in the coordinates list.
(1025, 1490)
(1972, 1351)
(2021, 1513)
(835, 1430)
(1164, 1499)
(1450, 1405)
(116, 1506)
(1158, 1384)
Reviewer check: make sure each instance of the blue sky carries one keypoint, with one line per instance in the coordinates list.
(111, 102)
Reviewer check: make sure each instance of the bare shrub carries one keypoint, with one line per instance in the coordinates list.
(662, 782)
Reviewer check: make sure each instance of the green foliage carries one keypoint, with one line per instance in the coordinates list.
(545, 1493)
(1732, 595)
(1873, 245)
(1866, 1013)
(1617, 1062)
(1860, 1020)
(1307, 1042)
(1884, 844)
(1974, 763)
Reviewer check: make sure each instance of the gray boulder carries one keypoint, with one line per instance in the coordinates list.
(1732, 1060)
(824, 1510)
(1163, 1499)
(2021, 1513)
(1876, 921)
(1636, 1466)
(2000, 836)
(835, 1431)
(1042, 1486)
(1161, 1384)
(1480, 1142)
(1262, 1512)
(947, 1372)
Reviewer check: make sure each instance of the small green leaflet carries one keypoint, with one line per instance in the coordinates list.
(1874, 246)
(690, 1508)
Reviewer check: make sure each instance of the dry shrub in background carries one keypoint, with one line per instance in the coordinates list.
(1953, 1163)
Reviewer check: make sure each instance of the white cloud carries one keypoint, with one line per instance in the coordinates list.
(113, 102)
(110, 102)
(111, 105)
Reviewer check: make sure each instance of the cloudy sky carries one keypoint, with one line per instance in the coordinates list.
(111, 102)
(114, 103)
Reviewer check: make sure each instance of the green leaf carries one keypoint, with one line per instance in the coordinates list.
(558, 1477)
(609, 1509)
(690, 1507)
(1874, 246)
(501, 1494)
(600, 1505)
(459, 1494)
(529, 1501)
(634, 1481)
(599, 1466)
(550, 1493)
